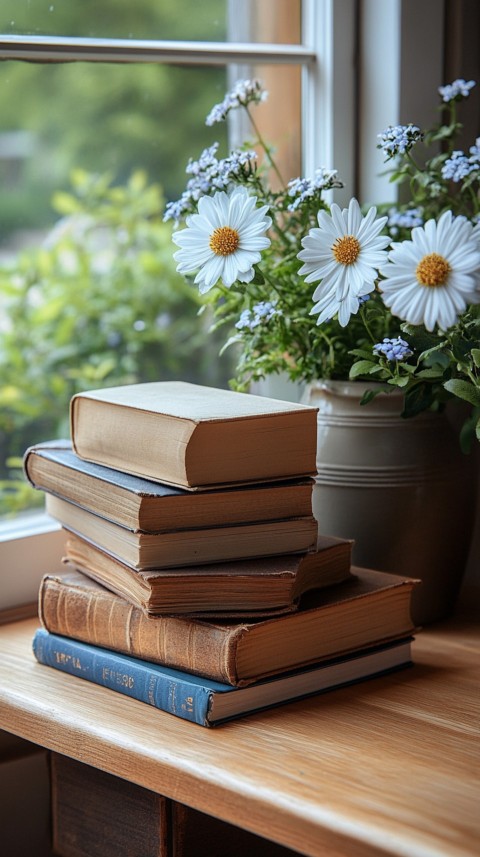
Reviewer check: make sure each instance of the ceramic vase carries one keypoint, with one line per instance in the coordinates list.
(401, 488)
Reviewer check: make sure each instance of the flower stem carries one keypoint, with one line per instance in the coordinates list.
(269, 280)
(266, 148)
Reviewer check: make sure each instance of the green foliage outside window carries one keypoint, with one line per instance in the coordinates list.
(98, 303)
(89, 294)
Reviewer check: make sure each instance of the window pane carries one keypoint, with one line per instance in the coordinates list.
(143, 19)
(276, 21)
(89, 295)
(89, 153)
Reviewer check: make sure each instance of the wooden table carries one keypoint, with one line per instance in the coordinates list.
(387, 767)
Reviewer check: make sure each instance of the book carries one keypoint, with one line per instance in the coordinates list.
(95, 814)
(265, 585)
(203, 701)
(171, 548)
(194, 436)
(372, 607)
(146, 506)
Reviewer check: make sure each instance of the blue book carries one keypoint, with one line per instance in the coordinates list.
(204, 701)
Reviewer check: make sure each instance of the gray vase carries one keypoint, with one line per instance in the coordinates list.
(401, 488)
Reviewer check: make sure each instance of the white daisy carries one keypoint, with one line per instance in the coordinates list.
(344, 253)
(431, 278)
(223, 240)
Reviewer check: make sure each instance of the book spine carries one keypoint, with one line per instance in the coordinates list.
(161, 689)
(101, 618)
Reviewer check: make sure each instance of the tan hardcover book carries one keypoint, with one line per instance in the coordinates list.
(371, 608)
(185, 547)
(265, 585)
(194, 436)
(140, 504)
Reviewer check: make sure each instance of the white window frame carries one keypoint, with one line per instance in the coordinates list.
(332, 136)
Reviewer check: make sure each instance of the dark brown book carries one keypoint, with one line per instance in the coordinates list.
(146, 506)
(173, 548)
(266, 585)
(371, 608)
(95, 814)
(194, 436)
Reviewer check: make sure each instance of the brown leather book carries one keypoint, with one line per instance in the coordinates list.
(263, 585)
(371, 608)
(194, 436)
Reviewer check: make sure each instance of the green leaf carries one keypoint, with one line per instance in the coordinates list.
(258, 279)
(460, 347)
(401, 381)
(419, 398)
(476, 356)
(361, 352)
(362, 367)
(370, 394)
(464, 390)
(64, 203)
(231, 341)
(429, 374)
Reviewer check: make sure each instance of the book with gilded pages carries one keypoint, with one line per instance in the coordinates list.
(370, 608)
(140, 504)
(258, 586)
(194, 436)
(174, 548)
(201, 700)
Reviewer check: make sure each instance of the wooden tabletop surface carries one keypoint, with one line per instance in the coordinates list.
(387, 767)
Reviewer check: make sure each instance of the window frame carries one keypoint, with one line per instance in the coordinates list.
(331, 56)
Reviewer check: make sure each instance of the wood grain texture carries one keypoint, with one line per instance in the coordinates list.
(387, 767)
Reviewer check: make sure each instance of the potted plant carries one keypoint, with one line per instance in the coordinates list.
(376, 311)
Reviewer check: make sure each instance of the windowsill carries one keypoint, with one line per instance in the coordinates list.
(31, 545)
(27, 524)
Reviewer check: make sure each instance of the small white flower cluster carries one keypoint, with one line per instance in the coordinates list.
(245, 92)
(209, 174)
(393, 349)
(261, 312)
(399, 139)
(459, 165)
(458, 89)
(305, 189)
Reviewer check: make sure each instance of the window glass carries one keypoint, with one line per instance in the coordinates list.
(89, 295)
(143, 19)
(89, 155)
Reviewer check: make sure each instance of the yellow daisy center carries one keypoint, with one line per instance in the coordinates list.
(432, 270)
(346, 249)
(224, 241)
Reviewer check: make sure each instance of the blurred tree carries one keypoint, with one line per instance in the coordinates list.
(98, 304)
(98, 116)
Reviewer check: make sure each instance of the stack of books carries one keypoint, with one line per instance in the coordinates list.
(196, 579)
